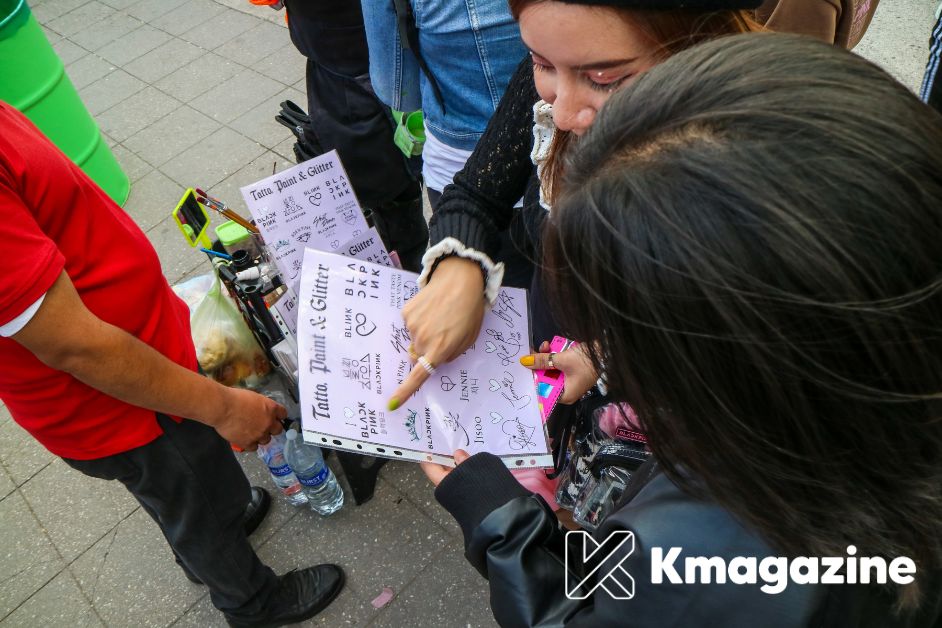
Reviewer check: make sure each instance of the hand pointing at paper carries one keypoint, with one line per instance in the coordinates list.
(443, 319)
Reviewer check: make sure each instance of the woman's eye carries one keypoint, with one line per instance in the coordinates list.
(540, 64)
(604, 84)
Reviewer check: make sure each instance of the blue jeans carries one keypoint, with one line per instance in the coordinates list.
(471, 47)
(931, 90)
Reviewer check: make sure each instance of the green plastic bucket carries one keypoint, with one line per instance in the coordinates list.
(33, 79)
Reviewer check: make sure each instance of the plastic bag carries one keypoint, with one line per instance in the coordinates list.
(193, 290)
(225, 347)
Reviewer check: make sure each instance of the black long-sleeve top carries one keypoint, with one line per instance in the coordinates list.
(478, 205)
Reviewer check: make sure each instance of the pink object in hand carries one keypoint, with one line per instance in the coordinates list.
(550, 382)
(535, 481)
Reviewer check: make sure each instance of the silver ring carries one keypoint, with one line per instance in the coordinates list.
(428, 366)
(550, 361)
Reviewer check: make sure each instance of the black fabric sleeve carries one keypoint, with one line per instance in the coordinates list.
(476, 487)
(478, 205)
(513, 539)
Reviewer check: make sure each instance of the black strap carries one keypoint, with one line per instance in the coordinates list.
(409, 40)
(294, 118)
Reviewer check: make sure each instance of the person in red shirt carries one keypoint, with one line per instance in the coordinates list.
(97, 363)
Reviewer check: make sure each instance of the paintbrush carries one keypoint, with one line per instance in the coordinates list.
(224, 210)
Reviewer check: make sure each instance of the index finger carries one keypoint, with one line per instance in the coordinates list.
(417, 376)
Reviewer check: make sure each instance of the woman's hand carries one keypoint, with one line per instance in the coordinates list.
(444, 319)
(575, 365)
(437, 472)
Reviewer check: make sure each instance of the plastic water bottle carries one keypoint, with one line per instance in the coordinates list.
(273, 455)
(323, 492)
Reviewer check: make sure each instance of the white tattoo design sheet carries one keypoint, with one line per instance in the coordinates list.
(309, 205)
(353, 353)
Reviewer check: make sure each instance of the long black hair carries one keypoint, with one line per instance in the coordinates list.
(752, 236)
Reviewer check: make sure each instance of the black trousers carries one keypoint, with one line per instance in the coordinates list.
(345, 113)
(190, 483)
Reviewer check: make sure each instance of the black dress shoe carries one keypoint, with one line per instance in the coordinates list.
(254, 515)
(301, 595)
(256, 510)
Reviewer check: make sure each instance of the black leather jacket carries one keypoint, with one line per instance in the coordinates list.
(513, 539)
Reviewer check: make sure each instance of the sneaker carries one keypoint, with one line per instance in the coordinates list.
(301, 595)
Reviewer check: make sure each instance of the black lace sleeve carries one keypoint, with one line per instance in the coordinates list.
(479, 204)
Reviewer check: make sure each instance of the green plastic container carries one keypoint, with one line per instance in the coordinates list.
(33, 79)
(410, 132)
(234, 237)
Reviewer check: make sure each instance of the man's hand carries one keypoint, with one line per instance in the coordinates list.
(67, 337)
(249, 419)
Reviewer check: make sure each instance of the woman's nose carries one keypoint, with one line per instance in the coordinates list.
(571, 113)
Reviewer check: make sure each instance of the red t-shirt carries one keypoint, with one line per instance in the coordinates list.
(54, 218)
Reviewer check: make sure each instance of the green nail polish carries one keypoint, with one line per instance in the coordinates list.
(393, 404)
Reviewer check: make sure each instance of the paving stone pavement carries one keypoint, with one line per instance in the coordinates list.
(185, 92)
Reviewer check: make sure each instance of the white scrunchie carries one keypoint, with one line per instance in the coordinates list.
(452, 246)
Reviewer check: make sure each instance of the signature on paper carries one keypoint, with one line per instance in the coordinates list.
(506, 387)
(400, 338)
(521, 434)
(451, 423)
(322, 222)
(506, 347)
(505, 309)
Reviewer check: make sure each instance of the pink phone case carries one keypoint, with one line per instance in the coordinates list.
(549, 383)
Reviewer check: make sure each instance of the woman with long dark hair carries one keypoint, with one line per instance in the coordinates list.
(748, 239)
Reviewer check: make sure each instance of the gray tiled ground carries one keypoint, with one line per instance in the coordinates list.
(131, 578)
(56, 515)
(185, 91)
